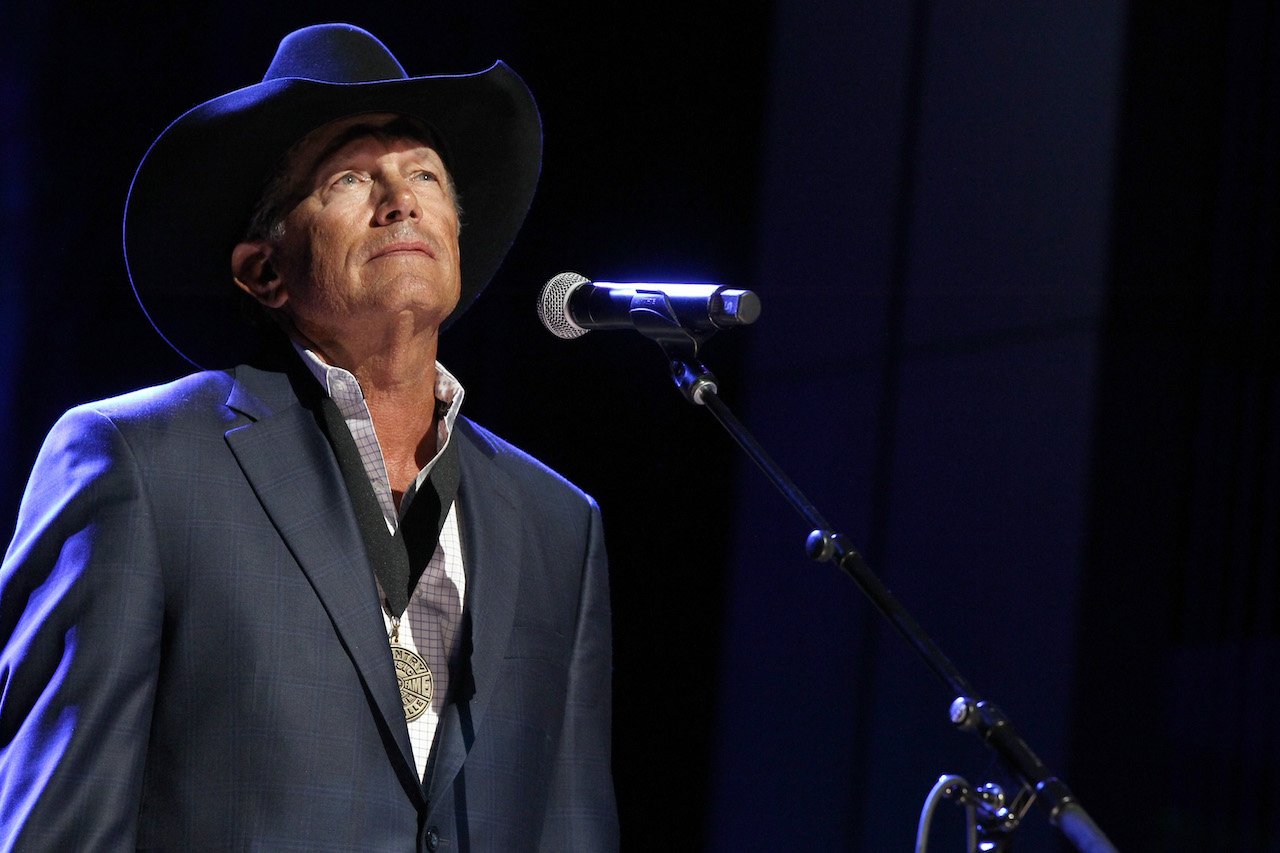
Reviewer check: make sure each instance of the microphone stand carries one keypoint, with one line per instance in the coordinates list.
(969, 711)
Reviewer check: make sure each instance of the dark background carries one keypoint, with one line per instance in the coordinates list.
(1017, 263)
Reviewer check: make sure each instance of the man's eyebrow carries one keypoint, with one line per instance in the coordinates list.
(393, 130)
(342, 140)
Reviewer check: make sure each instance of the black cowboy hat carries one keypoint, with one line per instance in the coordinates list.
(196, 187)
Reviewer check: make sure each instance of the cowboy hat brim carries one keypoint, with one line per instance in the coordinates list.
(197, 185)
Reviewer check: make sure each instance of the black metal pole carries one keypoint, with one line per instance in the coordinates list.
(969, 711)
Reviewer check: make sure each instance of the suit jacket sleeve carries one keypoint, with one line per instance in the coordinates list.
(581, 813)
(81, 614)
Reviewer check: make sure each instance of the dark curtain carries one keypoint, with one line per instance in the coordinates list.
(1175, 738)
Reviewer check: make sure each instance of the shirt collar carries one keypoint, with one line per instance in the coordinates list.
(344, 389)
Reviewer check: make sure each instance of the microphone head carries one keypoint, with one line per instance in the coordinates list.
(553, 305)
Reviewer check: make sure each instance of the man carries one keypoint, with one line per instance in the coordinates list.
(303, 603)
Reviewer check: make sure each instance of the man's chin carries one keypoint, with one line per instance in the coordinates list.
(424, 297)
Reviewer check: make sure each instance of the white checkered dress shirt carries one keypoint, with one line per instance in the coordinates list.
(429, 625)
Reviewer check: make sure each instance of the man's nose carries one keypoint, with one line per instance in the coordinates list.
(398, 202)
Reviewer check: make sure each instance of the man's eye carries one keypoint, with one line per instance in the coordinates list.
(350, 179)
(426, 176)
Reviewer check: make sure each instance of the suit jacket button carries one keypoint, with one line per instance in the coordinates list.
(433, 838)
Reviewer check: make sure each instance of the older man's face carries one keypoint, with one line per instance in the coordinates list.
(373, 244)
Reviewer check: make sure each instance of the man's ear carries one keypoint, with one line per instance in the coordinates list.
(255, 274)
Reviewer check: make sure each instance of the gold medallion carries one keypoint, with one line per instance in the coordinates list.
(415, 681)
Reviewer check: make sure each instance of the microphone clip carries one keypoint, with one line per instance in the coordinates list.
(653, 316)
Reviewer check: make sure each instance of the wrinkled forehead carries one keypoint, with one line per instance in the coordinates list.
(327, 140)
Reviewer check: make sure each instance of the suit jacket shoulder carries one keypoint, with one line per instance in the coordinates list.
(519, 464)
(196, 396)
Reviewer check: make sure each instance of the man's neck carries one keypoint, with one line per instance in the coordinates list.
(398, 380)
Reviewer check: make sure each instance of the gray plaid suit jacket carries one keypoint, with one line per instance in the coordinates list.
(194, 655)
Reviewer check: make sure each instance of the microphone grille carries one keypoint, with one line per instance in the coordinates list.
(553, 305)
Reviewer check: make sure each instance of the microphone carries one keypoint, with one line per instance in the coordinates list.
(571, 305)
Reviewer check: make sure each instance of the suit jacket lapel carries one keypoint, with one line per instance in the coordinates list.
(290, 465)
(489, 520)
